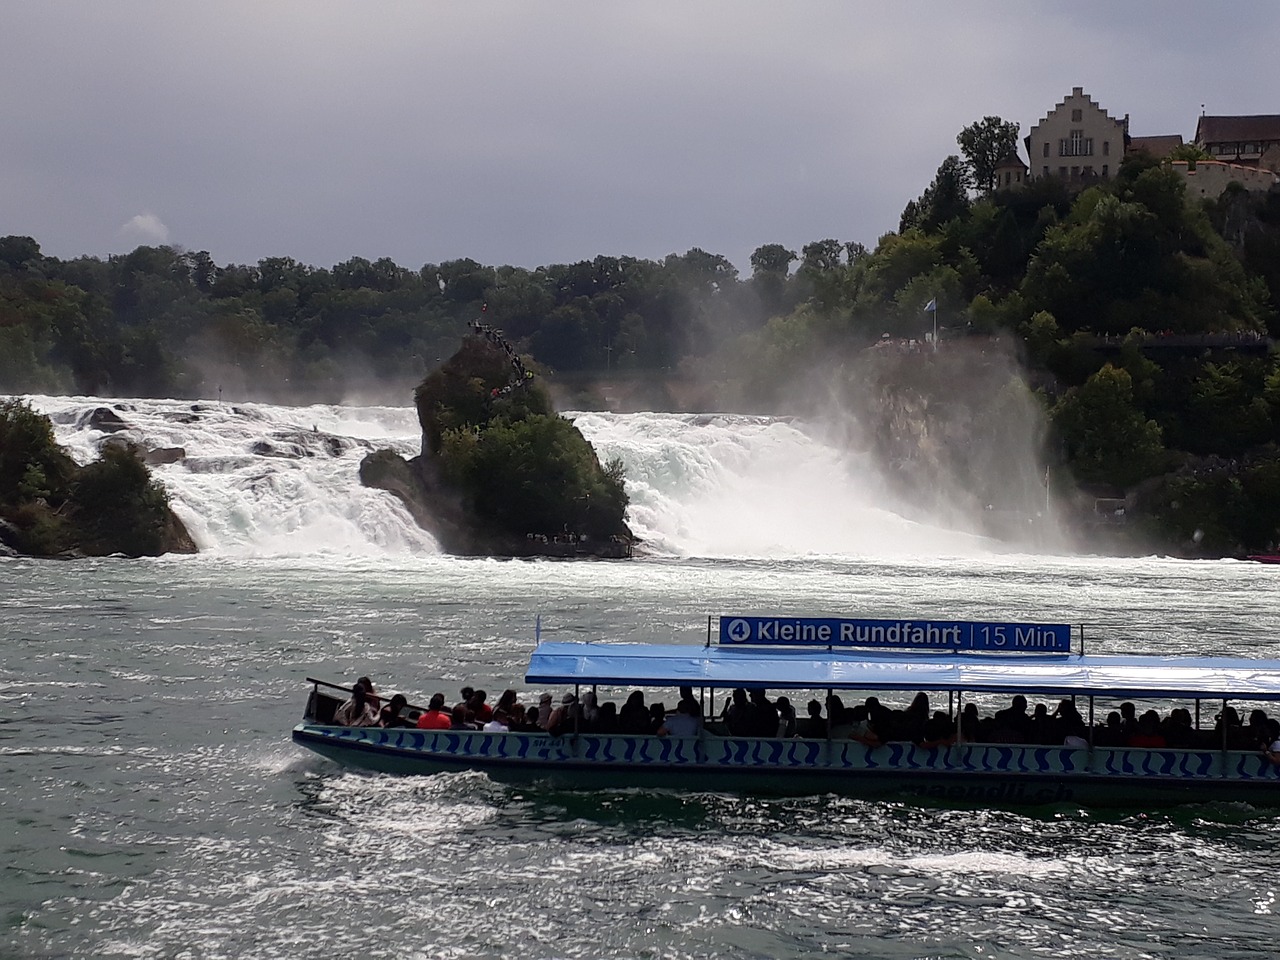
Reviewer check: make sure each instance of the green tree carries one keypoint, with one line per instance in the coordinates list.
(984, 144)
(1106, 437)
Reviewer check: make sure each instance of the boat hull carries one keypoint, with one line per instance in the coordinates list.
(966, 773)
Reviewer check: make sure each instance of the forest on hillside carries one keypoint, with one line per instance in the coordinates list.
(1142, 317)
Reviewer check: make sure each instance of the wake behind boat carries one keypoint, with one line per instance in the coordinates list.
(1012, 757)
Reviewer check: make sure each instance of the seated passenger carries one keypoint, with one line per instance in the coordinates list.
(566, 717)
(814, 726)
(939, 731)
(542, 716)
(1178, 730)
(764, 715)
(634, 717)
(1148, 734)
(458, 720)
(786, 718)
(970, 723)
(657, 717)
(477, 709)
(683, 723)
(392, 715)
(356, 712)
(507, 702)
(590, 712)
(738, 715)
(371, 695)
(1069, 725)
(435, 717)
(1272, 750)
(1012, 725)
(501, 723)
(839, 718)
(607, 721)
(1112, 733)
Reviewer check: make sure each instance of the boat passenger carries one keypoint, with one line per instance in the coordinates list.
(1272, 749)
(392, 715)
(970, 723)
(657, 717)
(939, 731)
(370, 693)
(479, 711)
(1178, 730)
(501, 723)
(737, 714)
(814, 726)
(764, 715)
(1148, 733)
(1128, 720)
(435, 717)
(786, 718)
(507, 702)
(356, 712)
(564, 717)
(1069, 726)
(590, 711)
(634, 717)
(543, 715)
(1012, 725)
(607, 722)
(840, 717)
(683, 723)
(863, 729)
(459, 720)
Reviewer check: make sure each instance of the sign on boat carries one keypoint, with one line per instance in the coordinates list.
(966, 662)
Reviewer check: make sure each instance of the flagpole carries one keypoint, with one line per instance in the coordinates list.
(935, 325)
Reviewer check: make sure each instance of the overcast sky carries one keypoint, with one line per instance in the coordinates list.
(534, 133)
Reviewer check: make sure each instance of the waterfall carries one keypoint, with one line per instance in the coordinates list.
(263, 480)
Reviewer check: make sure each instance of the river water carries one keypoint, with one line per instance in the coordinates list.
(153, 805)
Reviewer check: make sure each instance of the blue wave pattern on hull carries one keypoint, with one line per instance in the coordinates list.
(800, 755)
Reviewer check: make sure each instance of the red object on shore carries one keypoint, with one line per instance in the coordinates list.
(1264, 557)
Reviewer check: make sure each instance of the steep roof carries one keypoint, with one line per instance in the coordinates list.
(1234, 129)
(1159, 146)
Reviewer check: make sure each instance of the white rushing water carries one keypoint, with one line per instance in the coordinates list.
(264, 480)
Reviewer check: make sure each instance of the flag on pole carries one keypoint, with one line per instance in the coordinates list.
(931, 306)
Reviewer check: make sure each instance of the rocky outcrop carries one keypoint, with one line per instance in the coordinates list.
(442, 512)
(500, 473)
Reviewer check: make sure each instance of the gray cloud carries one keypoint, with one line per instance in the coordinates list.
(536, 133)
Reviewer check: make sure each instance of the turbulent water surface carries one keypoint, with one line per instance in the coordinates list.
(154, 806)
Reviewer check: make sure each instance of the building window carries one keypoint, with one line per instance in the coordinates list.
(1046, 148)
(1077, 116)
(1076, 145)
(1062, 172)
(1104, 169)
(1106, 148)
(1046, 171)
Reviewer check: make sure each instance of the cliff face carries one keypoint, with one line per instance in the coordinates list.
(500, 473)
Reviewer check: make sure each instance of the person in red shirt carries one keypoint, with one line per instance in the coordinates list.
(435, 717)
(480, 711)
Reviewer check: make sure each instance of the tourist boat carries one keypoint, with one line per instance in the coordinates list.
(983, 661)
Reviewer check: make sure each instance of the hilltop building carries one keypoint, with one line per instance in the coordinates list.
(1252, 141)
(1159, 147)
(1077, 140)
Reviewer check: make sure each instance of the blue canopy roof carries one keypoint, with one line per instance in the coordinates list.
(670, 665)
